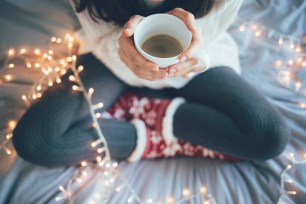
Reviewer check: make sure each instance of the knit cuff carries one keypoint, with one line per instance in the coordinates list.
(141, 140)
(167, 130)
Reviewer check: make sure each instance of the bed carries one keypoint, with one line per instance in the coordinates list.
(32, 23)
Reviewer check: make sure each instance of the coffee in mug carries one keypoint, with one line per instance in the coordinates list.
(161, 38)
(162, 46)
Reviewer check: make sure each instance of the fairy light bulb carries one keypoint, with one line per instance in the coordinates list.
(58, 80)
(28, 65)
(8, 151)
(99, 159)
(258, 33)
(11, 52)
(115, 165)
(61, 188)
(8, 77)
(170, 200)
(298, 49)
(130, 199)
(242, 28)
(149, 200)
(186, 192)
(50, 52)
(83, 163)
(12, 124)
(72, 78)
(254, 27)
(9, 136)
(290, 62)
(53, 39)
(118, 189)
(280, 41)
(203, 189)
(22, 51)
(70, 45)
(278, 62)
(98, 115)
(37, 52)
(291, 45)
(59, 40)
(11, 65)
(80, 68)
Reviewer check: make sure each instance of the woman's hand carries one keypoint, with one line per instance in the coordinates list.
(188, 65)
(141, 67)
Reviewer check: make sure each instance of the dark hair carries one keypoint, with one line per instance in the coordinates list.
(119, 11)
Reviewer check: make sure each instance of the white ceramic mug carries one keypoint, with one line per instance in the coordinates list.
(161, 24)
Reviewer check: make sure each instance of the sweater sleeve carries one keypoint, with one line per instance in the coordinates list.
(217, 45)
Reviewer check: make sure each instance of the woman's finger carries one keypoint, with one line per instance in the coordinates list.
(128, 48)
(193, 47)
(185, 16)
(149, 75)
(182, 68)
(130, 26)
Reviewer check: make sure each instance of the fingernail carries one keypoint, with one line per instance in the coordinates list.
(172, 72)
(163, 75)
(183, 59)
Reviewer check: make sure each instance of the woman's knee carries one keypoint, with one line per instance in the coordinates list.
(269, 137)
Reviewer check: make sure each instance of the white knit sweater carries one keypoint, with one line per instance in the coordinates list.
(102, 40)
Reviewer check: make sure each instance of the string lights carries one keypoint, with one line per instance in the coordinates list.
(53, 66)
(289, 71)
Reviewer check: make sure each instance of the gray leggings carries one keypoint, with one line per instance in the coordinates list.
(223, 113)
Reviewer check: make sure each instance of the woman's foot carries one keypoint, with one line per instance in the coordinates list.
(153, 119)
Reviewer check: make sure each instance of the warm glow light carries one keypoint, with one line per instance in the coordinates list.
(170, 200)
(98, 115)
(9, 136)
(29, 65)
(91, 91)
(8, 77)
(37, 51)
(292, 46)
(53, 39)
(257, 33)
(58, 40)
(242, 28)
(11, 65)
(83, 163)
(298, 49)
(11, 52)
(50, 52)
(186, 192)
(278, 62)
(80, 68)
(22, 51)
(302, 105)
(291, 62)
(280, 41)
(130, 199)
(58, 80)
(8, 151)
(99, 159)
(203, 189)
(70, 45)
(61, 188)
(12, 124)
(254, 27)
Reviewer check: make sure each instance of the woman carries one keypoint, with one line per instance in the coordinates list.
(154, 112)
